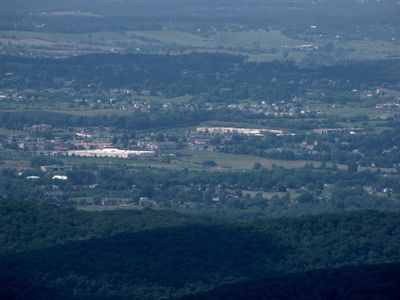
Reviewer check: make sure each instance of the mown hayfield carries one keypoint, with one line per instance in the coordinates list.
(227, 161)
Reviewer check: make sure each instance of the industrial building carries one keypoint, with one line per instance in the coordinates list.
(112, 152)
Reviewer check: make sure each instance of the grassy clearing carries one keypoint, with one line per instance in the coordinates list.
(95, 112)
(265, 195)
(16, 164)
(121, 162)
(173, 37)
(246, 39)
(5, 131)
(73, 13)
(227, 161)
(368, 49)
(89, 113)
(158, 99)
(103, 38)
(96, 208)
(194, 160)
(349, 110)
(256, 39)
(258, 45)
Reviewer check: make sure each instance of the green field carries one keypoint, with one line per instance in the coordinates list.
(368, 49)
(346, 110)
(194, 160)
(247, 39)
(94, 208)
(259, 45)
(266, 195)
(236, 162)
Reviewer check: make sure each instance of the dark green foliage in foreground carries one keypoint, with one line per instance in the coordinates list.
(357, 283)
(77, 255)
(26, 225)
(160, 259)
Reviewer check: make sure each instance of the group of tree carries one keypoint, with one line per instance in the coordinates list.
(54, 252)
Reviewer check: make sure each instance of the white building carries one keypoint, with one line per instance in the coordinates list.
(60, 177)
(234, 130)
(111, 152)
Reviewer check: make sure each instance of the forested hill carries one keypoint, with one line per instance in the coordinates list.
(61, 253)
(27, 225)
(357, 283)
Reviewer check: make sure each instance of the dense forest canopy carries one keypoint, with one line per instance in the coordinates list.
(370, 282)
(152, 257)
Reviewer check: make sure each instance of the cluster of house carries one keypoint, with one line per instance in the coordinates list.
(57, 171)
(240, 131)
(130, 100)
(326, 131)
(390, 106)
(283, 108)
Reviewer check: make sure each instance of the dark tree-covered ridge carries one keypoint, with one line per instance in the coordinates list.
(139, 254)
(358, 283)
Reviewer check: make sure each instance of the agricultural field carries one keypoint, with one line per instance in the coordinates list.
(226, 161)
(258, 45)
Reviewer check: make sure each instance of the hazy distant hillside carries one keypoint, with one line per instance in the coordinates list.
(289, 14)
